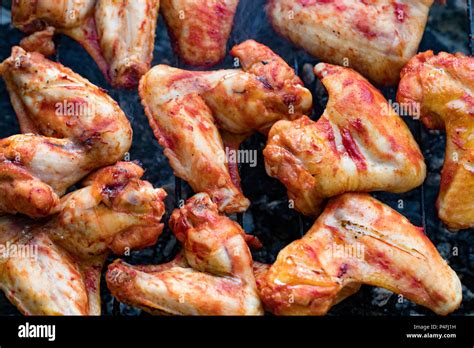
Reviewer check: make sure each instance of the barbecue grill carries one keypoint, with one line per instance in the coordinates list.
(450, 28)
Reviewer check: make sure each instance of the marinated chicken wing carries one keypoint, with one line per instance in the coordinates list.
(374, 37)
(212, 276)
(358, 144)
(441, 87)
(199, 28)
(41, 42)
(357, 240)
(53, 267)
(115, 210)
(126, 32)
(45, 279)
(72, 128)
(187, 108)
(119, 35)
(70, 17)
(31, 16)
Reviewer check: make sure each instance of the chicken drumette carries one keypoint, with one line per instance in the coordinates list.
(358, 144)
(71, 128)
(212, 276)
(53, 266)
(199, 28)
(374, 37)
(357, 240)
(187, 108)
(441, 88)
(119, 35)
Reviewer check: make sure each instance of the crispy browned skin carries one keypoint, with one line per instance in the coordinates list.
(119, 35)
(186, 108)
(358, 144)
(58, 269)
(199, 29)
(212, 276)
(441, 87)
(357, 240)
(72, 126)
(375, 37)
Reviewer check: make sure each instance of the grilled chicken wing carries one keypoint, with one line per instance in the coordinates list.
(72, 128)
(441, 87)
(199, 28)
(40, 41)
(185, 109)
(374, 37)
(45, 279)
(53, 267)
(31, 16)
(119, 35)
(126, 32)
(357, 240)
(70, 17)
(116, 210)
(358, 144)
(212, 276)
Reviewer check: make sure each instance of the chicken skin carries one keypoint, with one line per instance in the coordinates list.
(358, 144)
(53, 266)
(40, 41)
(126, 31)
(119, 35)
(199, 28)
(70, 127)
(376, 38)
(212, 276)
(186, 109)
(441, 87)
(357, 240)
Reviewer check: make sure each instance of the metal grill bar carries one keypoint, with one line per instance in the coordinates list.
(471, 25)
(178, 190)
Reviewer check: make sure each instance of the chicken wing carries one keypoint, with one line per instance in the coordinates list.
(441, 87)
(358, 144)
(374, 37)
(40, 41)
(115, 210)
(119, 35)
(72, 128)
(70, 17)
(46, 280)
(31, 16)
(199, 29)
(357, 240)
(212, 276)
(126, 31)
(53, 267)
(185, 109)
